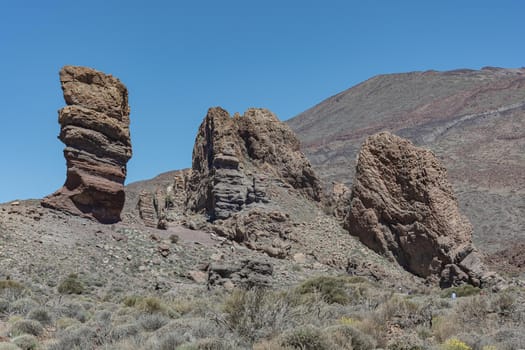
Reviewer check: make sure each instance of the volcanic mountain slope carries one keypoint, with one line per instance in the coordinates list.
(474, 121)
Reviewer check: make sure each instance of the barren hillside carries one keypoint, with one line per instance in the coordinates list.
(473, 120)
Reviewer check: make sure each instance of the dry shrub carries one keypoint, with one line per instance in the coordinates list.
(341, 290)
(306, 338)
(31, 327)
(71, 285)
(257, 313)
(26, 342)
(347, 337)
(12, 290)
(444, 326)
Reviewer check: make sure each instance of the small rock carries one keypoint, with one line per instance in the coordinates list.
(299, 258)
(217, 256)
(154, 237)
(198, 276)
(228, 285)
(163, 249)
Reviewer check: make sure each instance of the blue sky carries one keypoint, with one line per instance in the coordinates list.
(178, 58)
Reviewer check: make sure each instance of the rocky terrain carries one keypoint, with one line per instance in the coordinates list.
(245, 250)
(95, 129)
(473, 121)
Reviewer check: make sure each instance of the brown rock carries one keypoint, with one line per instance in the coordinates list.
(403, 206)
(198, 276)
(233, 159)
(247, 273)
(146, 209)
(338, 200)
(258, 229)
(95, 129)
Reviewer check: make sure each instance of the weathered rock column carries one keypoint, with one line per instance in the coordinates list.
(95, 130)
(233, 157)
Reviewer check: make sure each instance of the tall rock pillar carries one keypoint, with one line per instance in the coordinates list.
(95, 130)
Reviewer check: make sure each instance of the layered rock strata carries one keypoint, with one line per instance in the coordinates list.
(403, 206)
(95, 130)
(234, 158)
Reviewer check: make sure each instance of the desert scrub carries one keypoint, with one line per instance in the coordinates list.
(444, 326)
(32, 327)
(210, 344)
(150, 305)
(124, 331)
(23, 305)
(26, 342)
(152, 322)
(71, 285)
(464, 290)
(257, 313)
(66, 322)
(331, 289)
(8, 346)
(346, 337)
(74, 310)
(306, 338)
(348, 321)
(41, 315)
(81, 337)
(341, 290)
(12, 290)
(455, 344)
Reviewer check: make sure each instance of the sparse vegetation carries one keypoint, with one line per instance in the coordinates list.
(71, 285)
(461, 291)
(100, 308)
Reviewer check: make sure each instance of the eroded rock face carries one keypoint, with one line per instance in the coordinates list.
(403, 206)
(95, 130)
(234, 158)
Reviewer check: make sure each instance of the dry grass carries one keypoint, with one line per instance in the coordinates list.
(321, 313)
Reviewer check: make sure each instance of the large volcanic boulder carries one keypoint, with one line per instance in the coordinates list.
(403, 206)
(234, 158)
(95, 130)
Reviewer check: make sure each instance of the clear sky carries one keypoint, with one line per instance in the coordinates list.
(178, 58)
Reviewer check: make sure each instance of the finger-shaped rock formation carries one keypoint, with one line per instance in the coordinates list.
(95, 130)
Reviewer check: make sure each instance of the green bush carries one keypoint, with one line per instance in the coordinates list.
(8, 346)
(455, 344)
(332, 289)
(71, 285)
(461, 291)
(150, 305)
